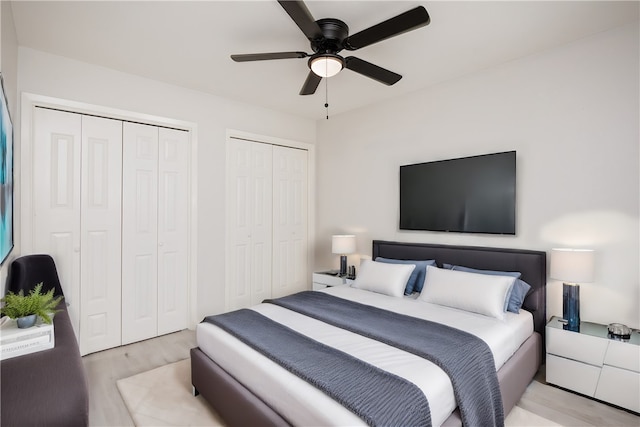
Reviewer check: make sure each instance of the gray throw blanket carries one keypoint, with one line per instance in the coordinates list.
(377, 396)
(464, 357)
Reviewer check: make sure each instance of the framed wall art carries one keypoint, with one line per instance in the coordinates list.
(6, 178)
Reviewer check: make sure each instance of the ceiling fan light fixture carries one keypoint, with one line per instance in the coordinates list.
(329, 36)
(326, 65)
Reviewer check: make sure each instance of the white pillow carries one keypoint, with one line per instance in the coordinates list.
(479, 293)
(384, 278)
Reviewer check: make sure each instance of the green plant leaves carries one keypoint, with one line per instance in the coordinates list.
(19, 305)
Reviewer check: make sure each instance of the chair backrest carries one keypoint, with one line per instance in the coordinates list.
(29, 270)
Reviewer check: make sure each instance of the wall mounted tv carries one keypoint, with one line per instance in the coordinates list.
(467, 195)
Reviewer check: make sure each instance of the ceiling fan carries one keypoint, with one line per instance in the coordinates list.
(329, 36)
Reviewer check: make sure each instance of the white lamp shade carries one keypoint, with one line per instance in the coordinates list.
(326, 66)
(343, 244)
(572, 265)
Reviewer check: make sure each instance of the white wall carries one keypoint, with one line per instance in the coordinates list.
(9, 56)
(9, 68)
(572, 115)
(54, 76)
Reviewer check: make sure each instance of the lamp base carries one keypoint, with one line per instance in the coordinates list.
(343, 265)
(571, 306)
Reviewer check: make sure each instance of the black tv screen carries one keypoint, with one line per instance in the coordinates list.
(467, 195)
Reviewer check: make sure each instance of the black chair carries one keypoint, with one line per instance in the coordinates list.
(48, 387)
(29, 270)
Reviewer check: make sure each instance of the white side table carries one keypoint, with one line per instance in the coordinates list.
(323, 280)
(591, 363)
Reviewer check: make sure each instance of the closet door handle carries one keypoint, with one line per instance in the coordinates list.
(160, 244)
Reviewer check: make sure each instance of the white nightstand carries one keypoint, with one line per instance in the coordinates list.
(322, 280)
(591, 363)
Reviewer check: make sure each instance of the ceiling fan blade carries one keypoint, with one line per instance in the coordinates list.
(311, 84)
(298, 11)
(407, 21)
(371, 70)
(267, 56)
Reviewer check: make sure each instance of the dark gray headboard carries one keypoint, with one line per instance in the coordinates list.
(532, 265)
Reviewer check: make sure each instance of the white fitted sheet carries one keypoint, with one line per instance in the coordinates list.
(302, 404)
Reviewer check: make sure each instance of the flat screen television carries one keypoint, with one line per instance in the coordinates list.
(467, 195)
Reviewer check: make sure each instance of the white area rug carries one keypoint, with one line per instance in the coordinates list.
(162, 397)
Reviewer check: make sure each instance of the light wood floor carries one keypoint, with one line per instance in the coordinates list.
(106, 407)
(103, 369)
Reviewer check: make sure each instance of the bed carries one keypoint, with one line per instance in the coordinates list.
(246, 394)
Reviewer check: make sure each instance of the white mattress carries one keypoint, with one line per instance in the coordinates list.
(302, 404)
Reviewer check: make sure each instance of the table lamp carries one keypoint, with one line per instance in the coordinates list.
(572, 266)
(343, 245)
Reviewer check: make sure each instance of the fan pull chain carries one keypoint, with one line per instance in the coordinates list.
(326, 96)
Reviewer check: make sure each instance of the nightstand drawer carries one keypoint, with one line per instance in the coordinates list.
(327, 279)
(573, 375)
(620, 387)
(317, 286)
(623, 355)
(576, 346)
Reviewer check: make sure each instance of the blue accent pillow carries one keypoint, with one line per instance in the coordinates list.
(515, 274)
(518, 291)
(416, 280)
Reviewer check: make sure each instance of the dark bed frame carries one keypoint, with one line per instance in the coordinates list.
(238, 406)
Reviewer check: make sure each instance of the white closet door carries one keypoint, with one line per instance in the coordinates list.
(139, 232)
(100, 265)
(261, 218)
(249, 222)
(56, 198)
(289, 221)
(173, 230)
(238, 275)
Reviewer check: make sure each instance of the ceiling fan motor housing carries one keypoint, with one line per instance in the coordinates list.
(334, 31)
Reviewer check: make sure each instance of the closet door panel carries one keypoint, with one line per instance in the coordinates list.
(289, 221)
(139, 232)
(249, 222)
(238, 275)
(56, 198)
(173, 229)
(100, 211)
(261, 206)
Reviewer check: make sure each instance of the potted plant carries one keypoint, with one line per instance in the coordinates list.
(27, 308)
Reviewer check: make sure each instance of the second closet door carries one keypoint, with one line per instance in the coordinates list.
(249, 223)
(139, 233)
(290, 218)
(267, 219)
(155, 231)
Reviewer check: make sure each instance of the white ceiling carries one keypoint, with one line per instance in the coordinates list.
(189, 43)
